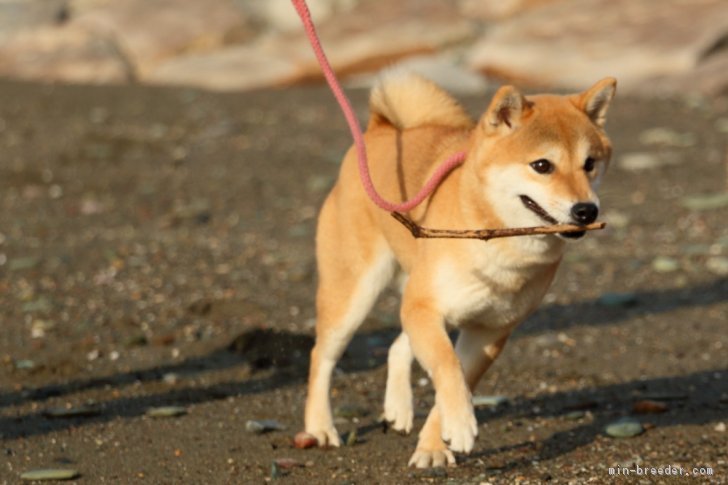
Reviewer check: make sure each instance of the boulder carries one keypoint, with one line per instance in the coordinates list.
(62, 53)
(149, 34)
(573, 43)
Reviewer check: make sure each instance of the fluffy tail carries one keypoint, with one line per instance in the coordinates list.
(406, 100)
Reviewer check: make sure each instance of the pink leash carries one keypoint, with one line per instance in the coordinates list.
(366, 179)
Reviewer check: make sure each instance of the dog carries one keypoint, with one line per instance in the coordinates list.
(529, 161)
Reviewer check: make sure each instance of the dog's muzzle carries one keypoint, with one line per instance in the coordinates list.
(531, 205)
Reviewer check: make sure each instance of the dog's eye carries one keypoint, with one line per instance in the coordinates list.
(542, 166)
(589, 164)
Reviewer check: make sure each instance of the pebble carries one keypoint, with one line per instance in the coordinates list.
(489, 401)
(72, 412)
(304, 440)
(24, 364)
(166, 412)
(259, 426)
(352, 437)
(626, 299)
(50, 474)
(720, 427)
(705, 202)
(624, 428)
(574, 415)
(665, 264)
(647, 406)
(286, 463)
(717, 265)
(20, 264)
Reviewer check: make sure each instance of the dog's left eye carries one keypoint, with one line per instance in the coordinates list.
(589, 164)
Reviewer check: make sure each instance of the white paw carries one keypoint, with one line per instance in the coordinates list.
(459, 428)
(426, 458)
(398, 411)
(326, 436)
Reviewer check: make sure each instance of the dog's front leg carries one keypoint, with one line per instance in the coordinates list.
(425, 327)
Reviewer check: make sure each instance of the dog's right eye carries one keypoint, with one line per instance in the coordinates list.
(542, 166)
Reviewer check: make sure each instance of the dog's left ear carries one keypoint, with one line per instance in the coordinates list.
(595, 100)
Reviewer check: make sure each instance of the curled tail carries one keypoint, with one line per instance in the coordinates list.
(406, 100)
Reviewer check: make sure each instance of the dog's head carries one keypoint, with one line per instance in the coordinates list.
(539, 160)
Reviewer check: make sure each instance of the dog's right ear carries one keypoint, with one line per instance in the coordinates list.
(505, 112)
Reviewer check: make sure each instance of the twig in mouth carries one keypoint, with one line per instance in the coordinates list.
(486, 234)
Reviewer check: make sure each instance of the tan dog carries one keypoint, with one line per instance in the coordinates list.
(529, 161)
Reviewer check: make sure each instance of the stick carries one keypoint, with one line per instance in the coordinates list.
(486, 234)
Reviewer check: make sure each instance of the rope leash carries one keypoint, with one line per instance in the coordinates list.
(440, 173)
(445, 168)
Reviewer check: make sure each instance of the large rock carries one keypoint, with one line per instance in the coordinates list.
(151, 32)
(574, 43)
(366, 38)
(63, 53)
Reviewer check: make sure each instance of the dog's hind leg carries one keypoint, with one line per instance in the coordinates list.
(398, 395)
(476, 348)
(353, 270)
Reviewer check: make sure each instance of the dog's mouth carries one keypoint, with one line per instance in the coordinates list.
(531, 205)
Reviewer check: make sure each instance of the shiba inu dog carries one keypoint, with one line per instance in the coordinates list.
(530, 161)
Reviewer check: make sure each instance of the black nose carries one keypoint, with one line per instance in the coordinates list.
(585, 212)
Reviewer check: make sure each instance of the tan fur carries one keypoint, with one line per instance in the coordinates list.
(483, 288)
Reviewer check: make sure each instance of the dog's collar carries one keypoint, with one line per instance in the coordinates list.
(531, 205)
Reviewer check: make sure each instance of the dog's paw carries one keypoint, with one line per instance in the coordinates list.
(427, 457)
(398, 411)
(326, 437)
(459, 428)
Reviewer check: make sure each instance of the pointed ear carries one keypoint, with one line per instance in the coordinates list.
(595, 100)
(505, 111)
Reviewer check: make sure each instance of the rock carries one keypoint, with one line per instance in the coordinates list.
(148, 36)
(572, 44)
(624, 428)
(647, 406)
(490, 10)
(574, 415)
(287, 463)
(717, 265)
(626, 299)
(705, 202)
(667, 137)
(260, 426)
(83, 411)
(720, 427)
(23, 263)
(166, 412)
(639, 161)
(489, 401)
(664, 264)
(66, 53)
(49, 474)
(304, 440)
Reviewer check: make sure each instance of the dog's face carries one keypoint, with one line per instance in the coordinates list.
(540, 160)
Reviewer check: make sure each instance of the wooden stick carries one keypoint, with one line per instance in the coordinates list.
(486, 234)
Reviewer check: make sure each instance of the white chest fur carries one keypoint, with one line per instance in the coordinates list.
(491, 287)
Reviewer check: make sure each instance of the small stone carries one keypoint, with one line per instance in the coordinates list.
(304, 440)
(170, 378)
(351, 437)
(664, 264)
(720, 427)
(350, 411)
(574, 415)
(72, 412)
(20, 264)
(50, 474)
(287, 463)
(717, 265)
(647, 406)
(705, 202)
(260, 426)
(639, 161)
(24, 364)
(166, 412)
(489, 401)
(626, 299)
(624, 428)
